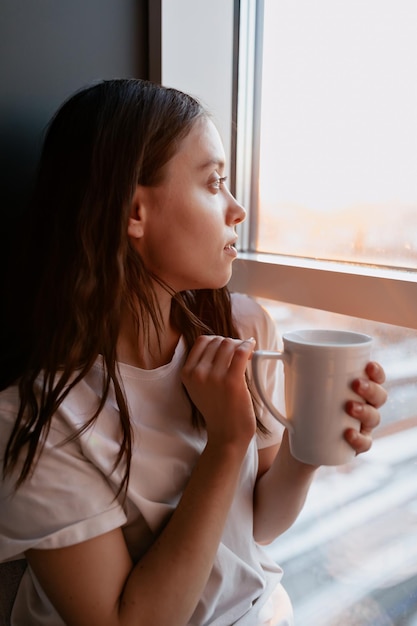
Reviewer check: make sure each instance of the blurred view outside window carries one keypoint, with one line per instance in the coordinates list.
(338, 181)
(338, 136)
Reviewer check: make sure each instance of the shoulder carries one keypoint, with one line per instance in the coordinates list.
(253, 320)
(70, 495)
(246, 310)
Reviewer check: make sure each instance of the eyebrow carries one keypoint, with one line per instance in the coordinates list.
(212, 162)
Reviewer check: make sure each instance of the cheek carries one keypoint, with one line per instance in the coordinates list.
(163, 246)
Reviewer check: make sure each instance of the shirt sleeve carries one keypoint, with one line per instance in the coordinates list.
(65, 501)
(254, 321)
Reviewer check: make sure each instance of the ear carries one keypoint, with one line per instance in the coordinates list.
(136, 223)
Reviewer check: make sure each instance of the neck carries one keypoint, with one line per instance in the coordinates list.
(150, 350)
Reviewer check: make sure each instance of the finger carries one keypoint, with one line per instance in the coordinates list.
(376, 372)
(204, 347)
(368, 415)
(229, 359)
(242, 353)
(211, 355)
(359, 441)
(370, 391)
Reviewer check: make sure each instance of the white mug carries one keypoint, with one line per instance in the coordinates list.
(319, 367)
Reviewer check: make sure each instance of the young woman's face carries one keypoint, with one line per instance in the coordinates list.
(188, 221)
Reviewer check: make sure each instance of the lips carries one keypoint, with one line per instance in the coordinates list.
(231, 244)
(230, 249)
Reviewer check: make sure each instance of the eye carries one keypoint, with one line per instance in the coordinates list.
(218, 183)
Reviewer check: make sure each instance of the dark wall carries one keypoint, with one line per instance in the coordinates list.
(49, 49)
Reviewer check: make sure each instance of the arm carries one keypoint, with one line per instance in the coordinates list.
(280, 492)
(95, 582)
(283, 482)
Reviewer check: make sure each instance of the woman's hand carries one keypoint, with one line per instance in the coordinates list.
(374, 396)
(214, 376)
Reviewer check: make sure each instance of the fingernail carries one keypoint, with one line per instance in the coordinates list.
(357, 408)
(363, 385)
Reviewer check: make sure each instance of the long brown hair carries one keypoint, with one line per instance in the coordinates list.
(78, 268)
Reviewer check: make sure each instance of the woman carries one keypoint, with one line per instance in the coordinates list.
(137, 479)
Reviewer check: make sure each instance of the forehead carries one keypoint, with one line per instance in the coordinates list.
(202, 148)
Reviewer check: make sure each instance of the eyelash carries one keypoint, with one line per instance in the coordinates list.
(216, 184)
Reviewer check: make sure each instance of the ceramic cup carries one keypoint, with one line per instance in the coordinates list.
(319, 367)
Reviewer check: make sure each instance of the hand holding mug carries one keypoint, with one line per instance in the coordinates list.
(332, 393)
(373, 396)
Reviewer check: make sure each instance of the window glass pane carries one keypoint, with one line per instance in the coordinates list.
(351, 557)
(338, 135)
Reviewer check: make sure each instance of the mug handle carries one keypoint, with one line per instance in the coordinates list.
(257, 357)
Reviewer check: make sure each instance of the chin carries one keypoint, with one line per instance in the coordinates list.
(213, 282)
(222, 282)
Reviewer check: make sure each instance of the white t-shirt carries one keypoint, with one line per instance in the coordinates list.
(70, 497)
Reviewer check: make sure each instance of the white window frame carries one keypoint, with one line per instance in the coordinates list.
(198, 56)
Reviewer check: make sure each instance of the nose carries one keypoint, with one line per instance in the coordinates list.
(235, 211)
